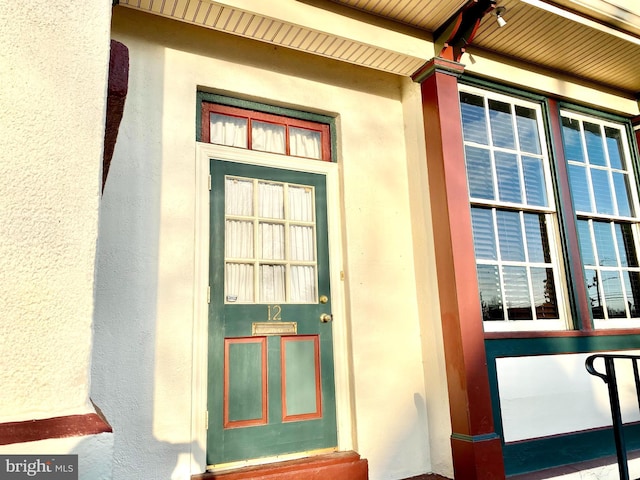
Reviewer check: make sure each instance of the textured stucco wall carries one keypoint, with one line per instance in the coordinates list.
(144, 310)
(53, 71)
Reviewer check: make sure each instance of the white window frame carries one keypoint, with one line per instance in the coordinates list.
(551, 217)
(606, 323)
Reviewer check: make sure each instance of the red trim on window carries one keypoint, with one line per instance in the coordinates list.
(573, 245)
(56, 427)
(251, 115)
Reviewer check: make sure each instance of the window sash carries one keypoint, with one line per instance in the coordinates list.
(509, 175)
(607, 214)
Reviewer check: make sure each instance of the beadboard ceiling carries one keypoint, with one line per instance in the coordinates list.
(592, 41)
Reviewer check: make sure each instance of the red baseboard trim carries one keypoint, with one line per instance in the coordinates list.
(56, 427)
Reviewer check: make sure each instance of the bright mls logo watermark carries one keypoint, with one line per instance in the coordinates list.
(49, 467)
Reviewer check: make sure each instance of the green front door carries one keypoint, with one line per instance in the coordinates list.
(271, 385)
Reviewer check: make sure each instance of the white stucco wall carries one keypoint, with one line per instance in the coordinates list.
(143, 360)
(53, 72)
(95, 453)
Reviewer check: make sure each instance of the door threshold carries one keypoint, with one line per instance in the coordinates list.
(222, 467)
(316, 465)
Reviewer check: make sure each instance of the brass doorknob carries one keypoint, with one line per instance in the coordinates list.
(326, 317)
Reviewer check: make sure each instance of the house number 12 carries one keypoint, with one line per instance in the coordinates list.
(273, 313)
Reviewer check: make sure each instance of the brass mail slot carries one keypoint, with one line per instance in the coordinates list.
(274, 328)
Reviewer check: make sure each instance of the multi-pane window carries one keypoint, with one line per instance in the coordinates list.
(604, 196)
(517, 241)
(265, 132)
(513, 213)
(270, 242)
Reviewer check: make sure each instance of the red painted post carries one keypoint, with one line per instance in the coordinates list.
(477, 449)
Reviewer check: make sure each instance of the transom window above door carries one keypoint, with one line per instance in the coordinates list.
(254, 130)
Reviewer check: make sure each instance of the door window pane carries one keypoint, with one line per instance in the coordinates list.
(238, 198)
(273, 252)
(301, 204)
(272, 241)
(272, 283)
(238, 239)
(303, 284)
(271, 200)
(238, 282)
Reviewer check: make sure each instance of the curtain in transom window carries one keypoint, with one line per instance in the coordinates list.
(267, 137)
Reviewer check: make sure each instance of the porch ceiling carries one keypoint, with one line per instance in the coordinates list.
(557, 36)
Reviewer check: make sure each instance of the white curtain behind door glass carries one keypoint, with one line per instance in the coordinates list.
(303, 284)
(267, 137)
(270, 200)
(238, 239)
(238, 197)
(238, 282)
(271, 238)
(304, 143)
(272, 283)
(271, 241)
(227, 130)
(301, 204)
(302, 244)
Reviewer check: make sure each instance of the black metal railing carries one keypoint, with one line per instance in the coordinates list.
(609, 377)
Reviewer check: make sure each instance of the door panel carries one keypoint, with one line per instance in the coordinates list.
(271, 384)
